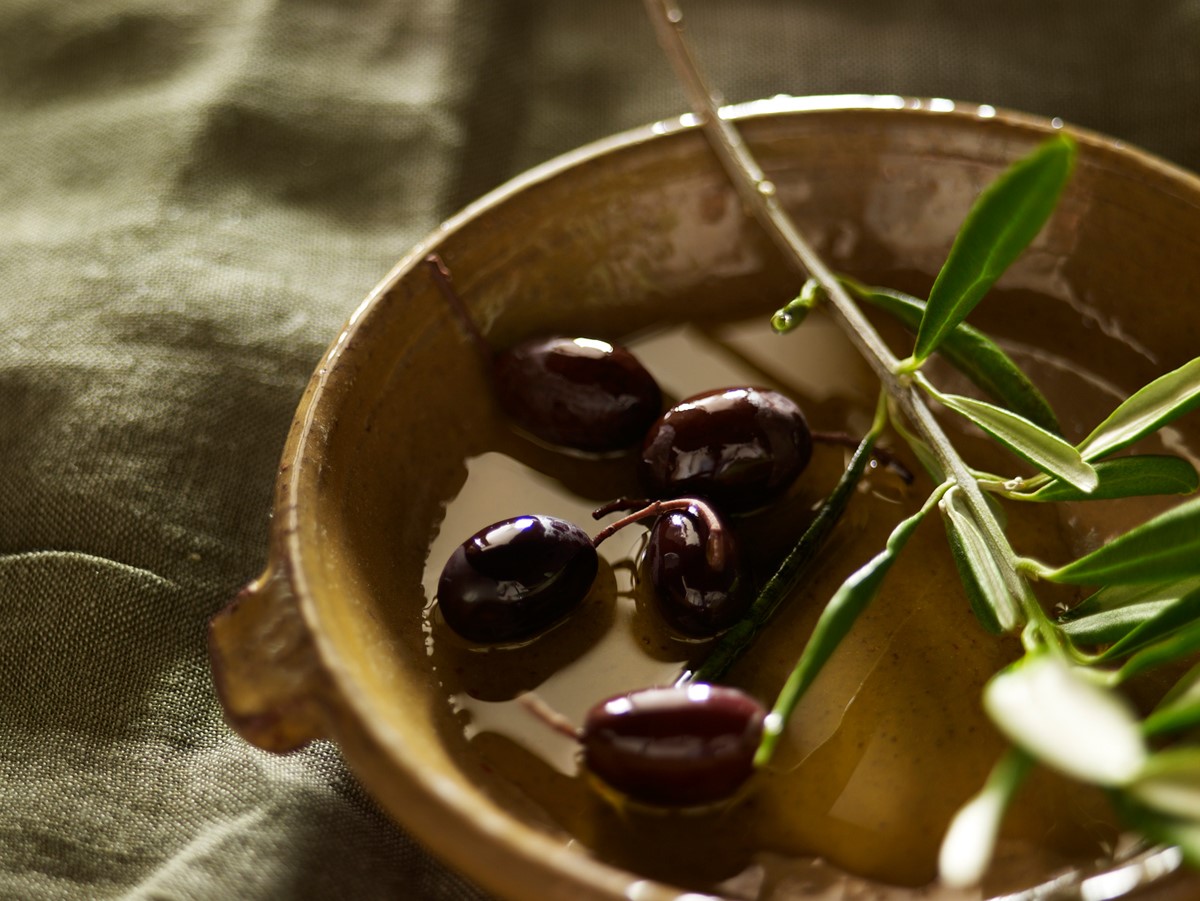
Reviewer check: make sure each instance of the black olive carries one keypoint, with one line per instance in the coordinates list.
(693, 562)
(738, 447)
(696, 596)
(577, 392)
(580, 393)
(515, 578)
(681, 746)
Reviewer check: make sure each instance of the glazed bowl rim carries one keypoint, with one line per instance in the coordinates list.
(540, 852)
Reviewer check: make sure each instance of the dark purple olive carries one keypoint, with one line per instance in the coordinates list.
(580, 393)
(738, 447)
(693, 563)
(682, 746)
(696, 596)
(577, 392)
(513, 579)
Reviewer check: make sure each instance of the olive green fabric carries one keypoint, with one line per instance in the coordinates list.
(193, 197)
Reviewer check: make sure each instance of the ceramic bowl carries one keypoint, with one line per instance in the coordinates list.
(631, 231)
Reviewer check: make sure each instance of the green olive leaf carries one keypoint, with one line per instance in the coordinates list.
(1111, 626)
(973, 354)
(1064, 718)
(988, 593)
(1170, 782)
(1031, 442)
(1001, 223)
(1180, 645)
(1166, 547)
(1146, 411)
(971, 839)
(1115, 597)
(1139, 476)
(800, 559)
(1170, 617)
(1180, 707)
(840, 613)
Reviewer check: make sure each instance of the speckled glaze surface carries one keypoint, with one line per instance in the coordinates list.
(631, 231)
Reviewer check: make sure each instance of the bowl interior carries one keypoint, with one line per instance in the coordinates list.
(616, 240)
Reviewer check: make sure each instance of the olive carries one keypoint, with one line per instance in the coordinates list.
(679, 746)
(580, 393)
(695, 597)
(515, 578)
(693, 563)
(738, 447)
(577, 392)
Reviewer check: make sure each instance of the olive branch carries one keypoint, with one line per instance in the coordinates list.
(1061, 704)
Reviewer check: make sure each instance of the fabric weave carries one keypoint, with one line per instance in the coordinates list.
(193, 197)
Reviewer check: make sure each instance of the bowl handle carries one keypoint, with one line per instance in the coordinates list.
(265, 668)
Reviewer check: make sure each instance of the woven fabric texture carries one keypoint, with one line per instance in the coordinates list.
(193, 197)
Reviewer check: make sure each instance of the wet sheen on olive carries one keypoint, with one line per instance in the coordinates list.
(577, 392)
(680, 746)
(692, 561)
(515, 578)
(695, 596)
(739, 447)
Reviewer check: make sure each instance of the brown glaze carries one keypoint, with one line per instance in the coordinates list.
(628, 226)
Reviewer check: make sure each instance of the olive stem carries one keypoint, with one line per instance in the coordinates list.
(621, 503)
(714, 549)
(730, 646)
(548, 715)
(445, 284)
(759, 195)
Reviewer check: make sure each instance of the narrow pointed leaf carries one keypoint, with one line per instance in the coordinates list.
(1043, 449)
(973, 354)
(1114, 597)
(1170, 783)
(1169, 618)
(1185, 715)
(1166, 547)
(1146, 411)
(1059, 715)
(1179, 709)
(971, 839)
(1001, 223)
(805, 554)
(840, 613)
(1179, 646)
(1111, 626)
(1140, 476)
(991, 601)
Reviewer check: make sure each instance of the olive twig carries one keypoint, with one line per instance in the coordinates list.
(759, 195)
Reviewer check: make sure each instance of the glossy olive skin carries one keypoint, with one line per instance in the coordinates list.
(577, 392)
(674, 747)
(696, 597)
(738, 447)
(515, 578)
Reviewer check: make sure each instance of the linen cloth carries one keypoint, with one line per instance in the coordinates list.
(193, 197)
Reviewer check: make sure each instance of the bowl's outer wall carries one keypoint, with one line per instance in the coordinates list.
(648, 231)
